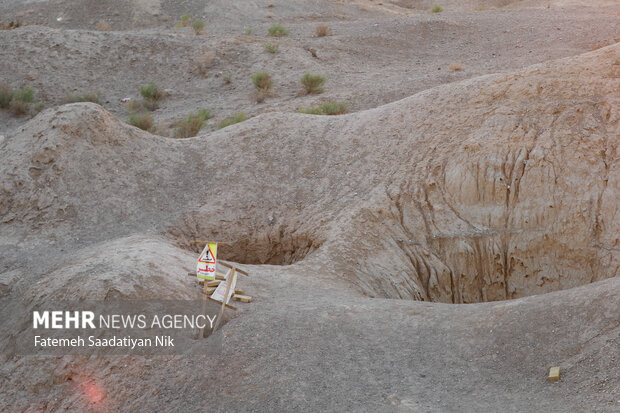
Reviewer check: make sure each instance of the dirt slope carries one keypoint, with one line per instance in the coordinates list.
(376, 240)
(496, 187)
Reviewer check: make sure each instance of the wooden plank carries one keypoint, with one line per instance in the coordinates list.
(230, 276)
(213, 283)
(225, 264)
(195, 242)
(219, 302)
(554, 374)
(208, 290)
(221, 277)
(242, 298)
(238, 291)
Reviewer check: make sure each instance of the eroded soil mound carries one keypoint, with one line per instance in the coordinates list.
(493, 188)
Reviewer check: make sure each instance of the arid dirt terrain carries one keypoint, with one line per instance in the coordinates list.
(436, 248)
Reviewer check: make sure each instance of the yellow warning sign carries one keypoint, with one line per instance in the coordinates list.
(205, 268)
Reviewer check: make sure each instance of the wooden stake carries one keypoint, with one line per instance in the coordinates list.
(229, 277)
(237, 269)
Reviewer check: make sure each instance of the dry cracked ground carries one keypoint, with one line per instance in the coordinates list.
(435, 249)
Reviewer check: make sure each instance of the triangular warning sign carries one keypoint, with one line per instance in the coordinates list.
(208, 257)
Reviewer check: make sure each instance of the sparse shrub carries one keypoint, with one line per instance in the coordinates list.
(17, 101)
(322, 31)
(271, 47)
(20, 100)
(19, 107)
(456, 66)
(133, 106)
(185, 20)
(87, 97)
(249, 32)
(198, 26)
(437, 8)
(151, 94)
(151, 91)
(190, 126)
(328, 108)
(39, 107)
(204, 62)
(227, 78)
(150, 104)
(262, 81)
(141, 120)
(231, 120)
(103, 26)
(6, 94)
(277, 30)
(313, 83)
(25, 95)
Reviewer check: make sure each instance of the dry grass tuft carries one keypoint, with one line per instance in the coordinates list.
(142, 120)
(456, 66)
(262, 81)
(272, 48)
(87, 97)
(134, 106)
(6, 94)
(17, 101)
(328, 108)
(191, 125)
(204, 62)
(277, 30)
(313, 83)
(198, 26)
(322, 31)
(231, 120)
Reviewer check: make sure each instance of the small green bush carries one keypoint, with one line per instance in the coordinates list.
(271, 47)
(17, 101)
(262, 81)
(185, 21)
(437, 8)
(231, 120)
(249, 32)
(328, 108)
(227, 78)
(198, 26)
(313, 83)
(151, 92)
(141, 120)
(26, 95)
(277, 30)
(191, 125)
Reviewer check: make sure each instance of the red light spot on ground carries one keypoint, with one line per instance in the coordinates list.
(93, 392)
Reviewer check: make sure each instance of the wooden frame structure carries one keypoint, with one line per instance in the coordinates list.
(209, 288)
